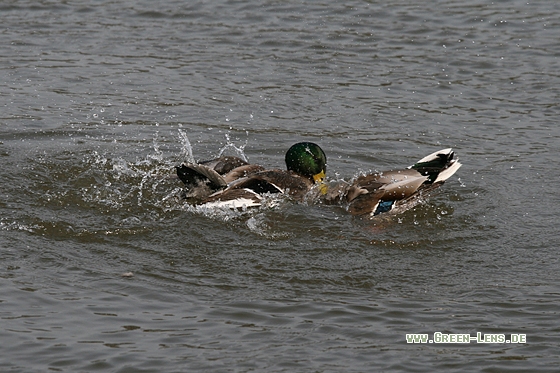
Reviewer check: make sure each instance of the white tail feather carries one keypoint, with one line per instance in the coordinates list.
(434, 156)
(448, 172)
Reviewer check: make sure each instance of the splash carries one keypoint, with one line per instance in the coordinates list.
(186, 151)
(120, 184)
(158, 154)
(239, 150)
(258, 225)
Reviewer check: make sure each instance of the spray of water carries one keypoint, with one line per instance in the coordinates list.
(239, 150)
(186, 150)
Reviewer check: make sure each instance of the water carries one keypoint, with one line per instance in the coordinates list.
(105, 269)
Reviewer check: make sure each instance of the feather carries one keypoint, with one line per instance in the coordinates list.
(448, 172)
(234, 199)
(436, 156)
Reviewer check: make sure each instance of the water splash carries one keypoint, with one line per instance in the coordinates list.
(118, 184)
(186, 150)
(218, 213)
(158, 154)
(253, 218)
(239, 150)
(258, 224)
(17, 226)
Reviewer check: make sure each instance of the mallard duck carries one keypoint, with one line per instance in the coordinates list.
(232, 182)
(305, 167)
(205, 178)
(394, 191)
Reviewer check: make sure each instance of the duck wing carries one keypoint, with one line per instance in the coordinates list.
(368, 192)
(241, 172)
(229, 168)
(223, 165)
(204, 178)
(248, 191)
(234, 199)
(193, 174)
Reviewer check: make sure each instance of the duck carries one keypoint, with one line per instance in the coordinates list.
(233, 183)
(204, 178)
(394, 191)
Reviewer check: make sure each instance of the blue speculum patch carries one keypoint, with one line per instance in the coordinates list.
(383, 206)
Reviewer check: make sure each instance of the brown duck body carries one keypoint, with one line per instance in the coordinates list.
(394, 191)
(235, 183)
(249, 191)
(207, 177)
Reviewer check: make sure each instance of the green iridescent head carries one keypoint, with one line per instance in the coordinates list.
(307, 159)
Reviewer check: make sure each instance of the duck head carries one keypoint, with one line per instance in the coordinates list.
(307, 159)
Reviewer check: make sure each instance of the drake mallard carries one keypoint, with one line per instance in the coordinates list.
(396, 190)
(235, 183)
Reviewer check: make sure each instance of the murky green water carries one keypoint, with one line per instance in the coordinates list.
(103, 268)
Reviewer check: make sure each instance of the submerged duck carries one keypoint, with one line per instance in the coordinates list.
(244, 185)
(234, 183)
(207, 177)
